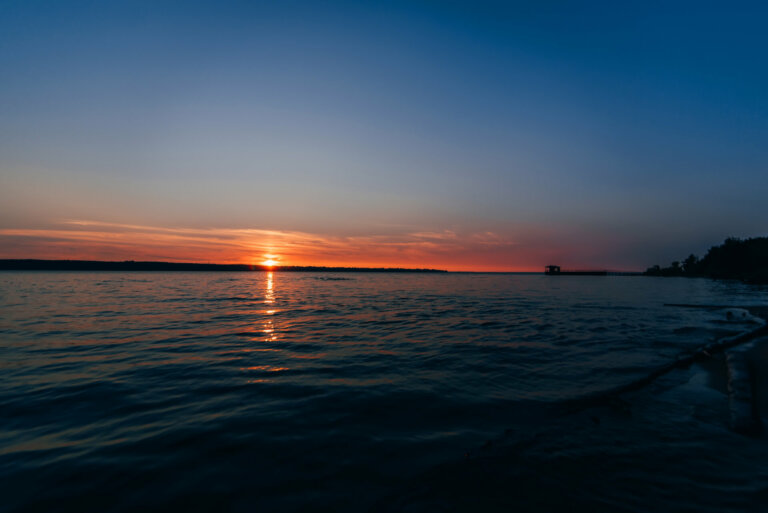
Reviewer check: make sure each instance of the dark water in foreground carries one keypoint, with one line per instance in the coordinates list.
(342, 392)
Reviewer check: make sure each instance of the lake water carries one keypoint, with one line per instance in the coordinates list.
(345, 392)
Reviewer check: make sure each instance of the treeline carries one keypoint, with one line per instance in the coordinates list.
(130, 265)
(740, 259)
(97, 265)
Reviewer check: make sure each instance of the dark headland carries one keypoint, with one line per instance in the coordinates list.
(734, 259)
(130, 265)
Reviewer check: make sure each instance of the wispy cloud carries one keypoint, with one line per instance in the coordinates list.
(96, 239)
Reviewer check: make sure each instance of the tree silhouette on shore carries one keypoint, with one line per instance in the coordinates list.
(742, 259)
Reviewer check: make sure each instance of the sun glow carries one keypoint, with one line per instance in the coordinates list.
(269, 260)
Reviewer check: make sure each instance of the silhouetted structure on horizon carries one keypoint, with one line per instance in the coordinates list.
(555, 270)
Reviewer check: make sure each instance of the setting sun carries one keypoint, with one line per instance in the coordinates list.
(269, 262)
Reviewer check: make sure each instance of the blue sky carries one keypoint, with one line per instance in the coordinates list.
(607, 134)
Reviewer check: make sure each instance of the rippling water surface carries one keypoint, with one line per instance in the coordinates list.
(301, 391)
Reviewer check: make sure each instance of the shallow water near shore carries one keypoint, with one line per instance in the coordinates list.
(344, 392)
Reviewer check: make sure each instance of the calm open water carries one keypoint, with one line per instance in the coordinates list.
(336, 392)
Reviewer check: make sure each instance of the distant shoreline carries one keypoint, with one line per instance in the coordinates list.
(130, 265)
(734, 259)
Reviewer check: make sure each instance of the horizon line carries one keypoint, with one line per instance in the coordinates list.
(9, 264)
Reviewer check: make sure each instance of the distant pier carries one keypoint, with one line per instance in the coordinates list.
(555, 270)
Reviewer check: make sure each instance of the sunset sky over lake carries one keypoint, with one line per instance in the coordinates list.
(463, 136)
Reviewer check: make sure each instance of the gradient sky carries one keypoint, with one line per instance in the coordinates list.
(465, 136)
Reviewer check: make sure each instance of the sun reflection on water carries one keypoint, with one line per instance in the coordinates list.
(268, 331)
(269, 297)
(268, 327)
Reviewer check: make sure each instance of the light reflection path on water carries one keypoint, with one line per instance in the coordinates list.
(269, 300)
(269, 333)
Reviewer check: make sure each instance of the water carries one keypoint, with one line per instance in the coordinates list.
(326, 392)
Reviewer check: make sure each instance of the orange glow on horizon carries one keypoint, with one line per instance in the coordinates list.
(523, 250)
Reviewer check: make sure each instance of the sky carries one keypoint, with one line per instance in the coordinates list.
(487, 136)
